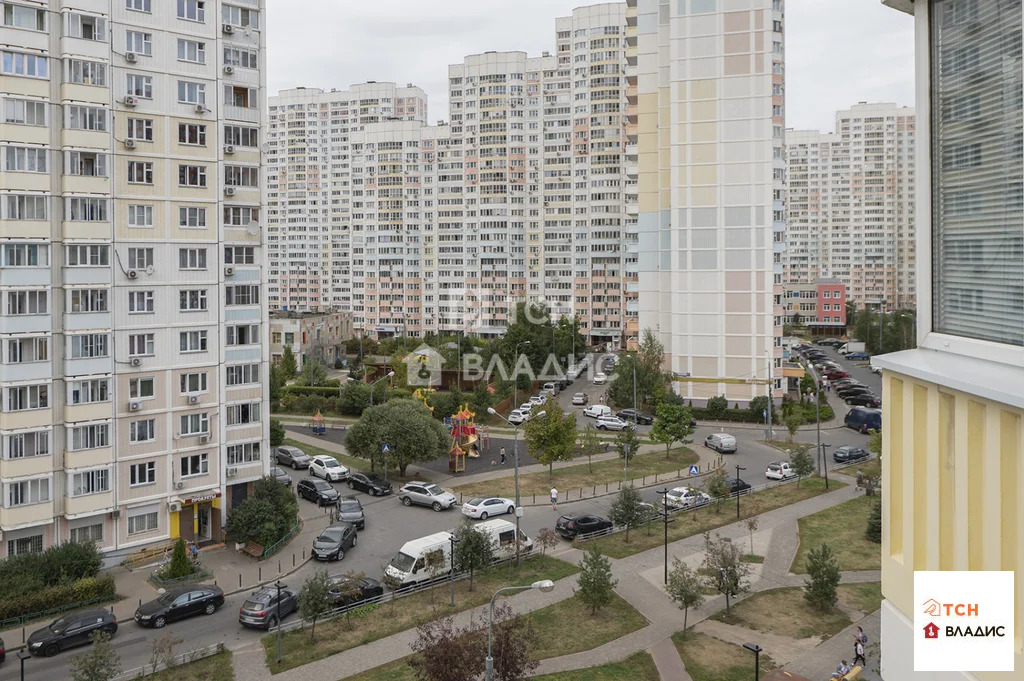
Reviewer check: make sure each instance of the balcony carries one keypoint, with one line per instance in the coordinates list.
(26, 323)
(26, 371)
(26, 516)
(89, 504)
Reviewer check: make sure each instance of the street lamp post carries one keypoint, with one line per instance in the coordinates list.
(664, 515)
(817, 410)
(738, 469)
(451, 574)
(515, 377)
(23, 655)
(278, 585)
(824, 461)
(515, 465)
(756, 649)
(545, 585)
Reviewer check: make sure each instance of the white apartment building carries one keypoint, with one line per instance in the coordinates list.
(133, 325)
(711, 112)
(851, 205)
(309, 240)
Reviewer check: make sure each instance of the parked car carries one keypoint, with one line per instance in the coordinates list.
(351, 511)
(526, 407)
(580, 398)
(636, 416)
(597, 411)
(600, 378)
(569, 526)
(341, 594)
(277, 473)
(863, 419)
(328, 468)
(334, 541)
(876, 370)
(484, 507)
(687, 497)
(178, 603)
(262, 609)
(833, 375)
(291, 456)
(779, 470)
(564, 383)
(317, 491)
(613, 423)
(851, 390)
(3, 651)
(371, 483)
(69, 631)
(849, 454)
(826, 341)
(517, 417)
(736, 486)
(723, 443)
(426, 494)
(857, 355)
(865, 400)
(551, 387)
(537, 400)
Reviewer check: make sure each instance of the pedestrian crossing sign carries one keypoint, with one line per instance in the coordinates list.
(694, 470)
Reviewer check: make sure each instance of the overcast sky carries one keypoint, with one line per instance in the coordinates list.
(838, 52)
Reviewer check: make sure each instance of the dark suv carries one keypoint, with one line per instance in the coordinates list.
(351, 511)
(317, 490)
(634, 415)
(569, 526)
(344, 592)
(261, 609)
(69, 631)
(333, 541)
(371, 483)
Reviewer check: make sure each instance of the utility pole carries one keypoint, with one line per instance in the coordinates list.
(771, 393)
(738, 469)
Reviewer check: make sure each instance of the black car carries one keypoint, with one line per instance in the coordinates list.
(851, 390)
(332, 542)
(3, 651)
(849, 453)
(71, 630)
(351, 511)
(865, 400)
(641, 418)
(569, 526)
(261, 609)
(291, 456)
(342, 593)
(277, 473)
(371, 483)
(178, 603)
(317, 490)
(736, 486)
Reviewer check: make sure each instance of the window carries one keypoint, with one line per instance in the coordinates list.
(27, 302)
(140, 215)
(83, 72)
(142, 431)
(140, 302)
(240, 255)
(196, 464)
(236, 95)
(195, 424)
(239, 16)
(192, 258)
(20, 64)
(240, 57)
(88, 163)
(90, 391)
(142, 474)
(191, 50)
(242, 294)
(289, 338)
(91, 345)
(140, 86)
(25, 545)
(26, 255)
(19, 207)
(242, 176)
(242, 334)
(143, 522)
(25, 159)
(140, 258)
(140, 172)
(193, 382)
(192, 300)
(192, 176)
(33, 349)
(141, 388)
(192, 217)
(87, 533)
(24, 112)
(88, 300)
(139, 5)
(92, 436)
(240, 216)
(141, 345)
(87, 27)
(275, 338)
(239, 414)
(25, 397)
(243, 374)
(248, 452)
(190, 133)
(191, 93)
(80, 255)
(192, 341)
(87, 210)
(20, 16)
(27, 492)
(86, 118)
(140, 129)
(90, 482)
(977, 173)
(192, 10)
(139, 43)
(27, 445)
(241, 136)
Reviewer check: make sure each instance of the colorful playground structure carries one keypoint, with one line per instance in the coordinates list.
(318, 424)
(467, 439)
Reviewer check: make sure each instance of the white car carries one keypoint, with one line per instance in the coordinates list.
(779, 470)
(687, 497)
(485, 507)
(526, 407)
(876, 370)
(328, 468)
(518, 416)
(537, 400)
(613, 423)
(600, 378)
(579, 399)
(597, 410)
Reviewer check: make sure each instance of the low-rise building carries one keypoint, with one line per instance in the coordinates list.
(820, 306)
(311, 335)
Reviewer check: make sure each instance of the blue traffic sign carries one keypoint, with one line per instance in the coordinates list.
(764, 413)
(385, 448)
(695, 470)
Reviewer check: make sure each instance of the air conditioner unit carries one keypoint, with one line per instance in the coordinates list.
(132, 274)
(134, 406)
(201, 108)
(229, 271)
(232, 472)
(174, 506)
(193, 399)
(115, 514)
(179, 485)
(136, 362)
(229, 148)
(130, 57)
(129, 144)
(131, 100)
(203, 439)
(229, 191)
(227, 28)
(229, 69)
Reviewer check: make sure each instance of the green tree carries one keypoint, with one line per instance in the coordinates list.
(717, 406)
(552, 437)
(874, 444)
(514, 639)
(717, 487)
(807, 386)
(314, 373)
(275, 386)
(595, 581)
(350, 589)
(481, 398)
(436, 564)
(547, 539)
(445, 652)
(802, 462)
(392, 584)
(794, 420)
(289, 368)
(627, 443)
(757, 408)
(276, 433)
(266, 515)
(180, 565)
(874, 530)
(314, 599)
(725, 567)
(100, 663)
(354, 398)
(628, 510)
(823, 571)
(404, 424)
(474, 550)
(672, 425)
(685, 587)
(590, 444)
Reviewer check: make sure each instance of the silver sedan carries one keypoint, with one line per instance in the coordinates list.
(485, 507)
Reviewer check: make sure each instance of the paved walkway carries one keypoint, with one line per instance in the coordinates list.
(666, 659)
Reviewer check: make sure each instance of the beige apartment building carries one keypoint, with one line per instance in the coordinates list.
(310, 335)
(132, 318)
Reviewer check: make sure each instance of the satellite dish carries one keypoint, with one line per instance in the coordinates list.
(252, 227)
(150, 270)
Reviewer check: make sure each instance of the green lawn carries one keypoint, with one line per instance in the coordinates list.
(842, 527)
(784, 612)
(710, 517)
(344, 459)
(406, 613)
(708, 659)
(866, 597)
(637, 667)
(215, 668)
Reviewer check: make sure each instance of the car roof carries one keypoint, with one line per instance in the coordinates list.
(320, 457)
(417, 482)
(428, 542)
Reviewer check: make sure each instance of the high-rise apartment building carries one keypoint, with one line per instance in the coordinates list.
(953, 409)
(710, 119)
(851, 205)
(133, 324)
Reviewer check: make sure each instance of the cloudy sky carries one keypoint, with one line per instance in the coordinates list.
(838, 52)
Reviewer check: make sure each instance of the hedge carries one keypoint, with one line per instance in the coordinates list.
(320, 390)
(63, 564)
(58, 596)
(731, 415)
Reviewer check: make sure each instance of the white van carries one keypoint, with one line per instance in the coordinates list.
(502, 534)
(597, 411)
(722, 443)
(410, 564)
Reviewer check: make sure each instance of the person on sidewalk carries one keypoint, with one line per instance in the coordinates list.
(859, 654)
(554, 499)
(502, 456)
(860, 636)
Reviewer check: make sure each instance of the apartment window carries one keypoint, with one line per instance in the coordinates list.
(246, 452)
(90, 391)
(140, 172)
(25, 545)
(140, 86)
(193, 383)
(87, 210)
(20, 207)
(143, 522)
(27, 492)
(140, 258)
(141, 345)
(275, 338)
(192, 176)
(978, 193)
(192, 341)
(86, 118)
(83, 72)
(195, 424)
(242, 176)
(87, 163)
(87, 533)
(241, 136)
(240, 414)
(242, 334)
(89, 346)
(81, 255)
(25, 159)
(87, 27)
(139, 5)
(192, 10)
(240, 216)
(28, 445)
(88, 300)
(243, 374)
(239, 16)
(196, 464)
(26, 255)
(192, 217)
(140, 302)
(140, 215)
(242, 294)
(24, 112)
(141, 388)
(191, 93)
(192, 300)
(27, 302)
(239, 255)
(192, 258)
(191, 50)
(20, 16)
(23, 350)
(90, 482)
(140, 129)
(142, 431)
(21, 64)
(139, 43)
(92, 436)
(237, 95)
(240, 57)
(191, 133)
(142, 474)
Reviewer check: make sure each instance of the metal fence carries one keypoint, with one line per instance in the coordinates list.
(183, 658)
(274, 548)
(11, 622)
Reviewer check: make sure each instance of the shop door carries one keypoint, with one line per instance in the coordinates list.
(204, 523)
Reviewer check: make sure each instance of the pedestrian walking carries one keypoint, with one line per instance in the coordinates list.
(860, 635)
(859, 654)
(502, 456)
(554, 499)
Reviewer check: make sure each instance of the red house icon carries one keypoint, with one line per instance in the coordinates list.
(931, 631)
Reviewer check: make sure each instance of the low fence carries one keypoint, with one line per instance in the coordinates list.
(184, 658)
(277, 546)
(143, 556)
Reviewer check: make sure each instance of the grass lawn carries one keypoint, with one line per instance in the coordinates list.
(344, 459)
(784, 612)
(842, 527)
(215, 668)
(708, 659)
(711, 516)
(638, 667)
(871, 468)
(866, 597)
(572, 478)
(752, 558)
(405, 613)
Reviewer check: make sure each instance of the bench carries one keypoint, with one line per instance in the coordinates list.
(253, 549)
(853, 674)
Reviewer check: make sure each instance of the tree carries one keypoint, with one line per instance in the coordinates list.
(717, 407)
(628, 510)
(350, 589)
(276, 381)
(314, 373)
(180, 565)
(823, 570)
(751, 524)
(590, 444)
(354, 398)
(276, 433)
(552, 437)
(288, 366)
(392, 584)
(793, 422)
(547, 539)
(314, 598)
(514, 638)
(759, 408)
(672, 425)
(717, 487)
(436, 564)
(407, 426)
(722, 561)
(595, 580)
(874, 531)
(807, 386)
(266, 515)
(474, 550)
(162, 655)
(100, 663)
(874, 444)
(802, 462)
(444, 652)
(627, 444)
(685, 588)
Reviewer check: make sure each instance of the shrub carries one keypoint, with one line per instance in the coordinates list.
(874, 531)
(266, 516)
(180, 565)
(717, 407)
(61, 595)
(57, 565)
